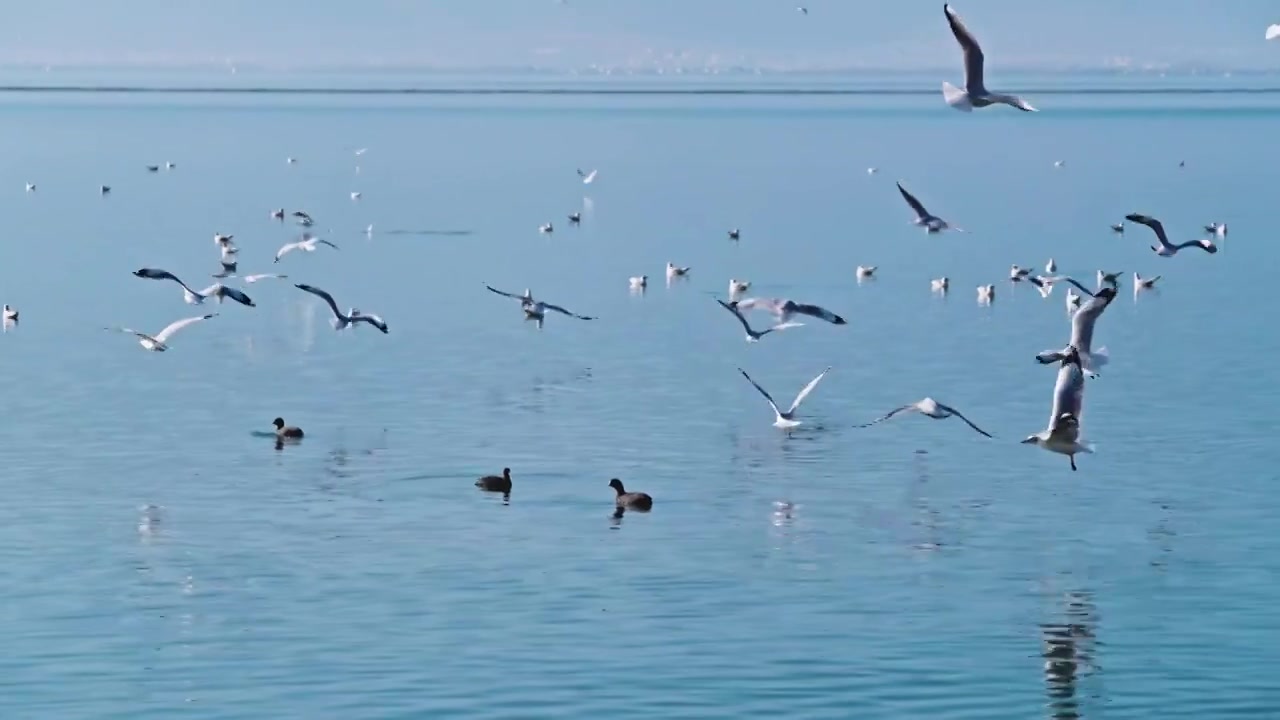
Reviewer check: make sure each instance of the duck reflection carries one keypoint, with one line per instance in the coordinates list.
(1069, 651)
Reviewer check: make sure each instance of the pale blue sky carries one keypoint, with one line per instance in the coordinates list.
(911, 34)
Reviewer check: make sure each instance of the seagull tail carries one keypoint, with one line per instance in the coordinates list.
(956, 98)
(1084, 447)
(1100, 357)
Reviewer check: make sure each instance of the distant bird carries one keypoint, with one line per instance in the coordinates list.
(873, 170)
(975, 93)
(1082, 326)
(104, 189)
(153, 168)
(355, 196)
(1218, 230)
(1051, 267)
(784, 309)
(575, 218)
(802, 10)
(1165, 248)
(639, 282)
(1042, 283)
(865, 272)
(308, 243)
(361, 151)
(228, 269)
(278, 214)
(496, 483)
(169, 165)
(737, 288)
(674, 271)
(547, 228)
(1073, 301)
(1117, 228)
(929, 408)
(31, 187)
(286, 432)
(931, 223)
(735, 234)
(1059, 163)
(1273, 31)
(342, 320)
(1109, 278)
(1018, 274)
(786, 420)
(752, 334)
(158, 342)
(638, 501)
(263, 276)
(290, 160)
(1141, 283)
(536, 309)
(222, 240)
(986, 294)
(940, 285)
(587, 178)
(303, 218)
(10, 314)
(1063, 434)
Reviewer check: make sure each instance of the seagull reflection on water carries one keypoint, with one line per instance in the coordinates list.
(1069, 650)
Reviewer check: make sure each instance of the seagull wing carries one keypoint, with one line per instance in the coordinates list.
(966, 420)
(521, 298)
(1068, 393)
(1204, 245)
(562, 311)
(262, 276)
(736, 314)
(1080, 287)
(1152, 223)
(288, 248)
(174, 327)
(1084, 319)
(890, 414)
(236, 295)
(156, 274)
(807, 389)
(589, 177)
(128, 331)
(322, 241)
(818, 312)
(913, 202)
(373, 320)
(761, 390)
(973, 58)
(323, 296)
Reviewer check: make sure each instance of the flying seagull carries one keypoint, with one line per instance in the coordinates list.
(217, 291)
(975, 93)
(931, 223)
(587, 177)
(341, 320)
(303, 218)
(1082, 324)
(1063, 434)
(308, 243)
(1166, 248)
(929, 408)
(755, 335)
(784, 309)
(157, 342)
(786, 420)
(536, 309)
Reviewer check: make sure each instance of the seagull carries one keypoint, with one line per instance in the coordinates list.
(865, 272)
(673, 271)
(303, 219)
(1273, 31)
(361, 151)
(975, 93)
(340, 320)
(158, 342)
(637, 283)
(1073, 301)
(1118, 229)
(873, 170)
(784, 309)
(1167, 249)
(290, 160)
(941, 285)
(754, 335)
(737, 288)
(575, 218)
(263, 276)
(278, 214)
(986, 294)
(10, 315)
(228, 269)
(153, 168)
(1059, 163)
(1218, 230)
(929, 408)
(1018, 274)
(1051, 267)
(734, 234)
(31, 187)
(536, 309)
(1109, 278)
(169, 165)
(1141, 283)
(546, 228)
(1063, 434)
(308, 243)
(786, 420)
(193, 297)
(587, 178)
(223, 240)
(104, 189)
(355, 196)
(931, 223)
(218, 291)
(1082, 324)
(802, 10)
(1043, 283)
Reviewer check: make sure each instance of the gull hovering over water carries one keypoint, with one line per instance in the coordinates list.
(754, 335)
(308, 243)
(1082, 324)
(784, 309)
(786, 420)
(536, 309)
(931, 223)
(975, 93)
(587, 178)
(1166, 248)
(1063, 434)
(351, 317)
(1018, 274)
(929, 408)
(158, 342)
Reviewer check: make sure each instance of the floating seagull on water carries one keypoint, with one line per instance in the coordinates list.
(105, 189)
(1059, 163)
(536, 309)
(546, 228)
(158, 342)
(290, 160)
(786, 420)
(1082, 324)
(575, 218)
(1051, 267)
(31, 187)
(308, 243)
(931, 223)
(637, 283)
(865, 272)
(278, 214)
(754, 335)
(10, 315)
(355, 196)
(737, 288)
(263, 276)
(940, 285)
(1063, 434)
(929, 408)
(674, 271)
(1109, 278)
(986, 294)
(1273, 31)
(873, 170)
(1167, 249)
(303, 218)
(802, 10)
(1018, 274)
(975, 93)
(1141, 283)
(784, 309)
(587, 178)
(169, 165)
(341, 320)
(734, 234)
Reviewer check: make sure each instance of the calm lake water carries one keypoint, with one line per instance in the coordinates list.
(160, 560)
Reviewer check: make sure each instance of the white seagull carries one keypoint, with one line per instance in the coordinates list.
(975, 93)
(263, 276)
(737, 288)
(31, 187)
(786, 420)
(587, 178)
(931, 223)
(1082, 324)
(1140, 283)
(1051, 267)
(10, 315)
(158, 342)
(1109, 278)
(193, 297)
(1166, 248)
(865, 272)
(986, 294)
(1073, 301)
(1063, 434)
(929, 408)
(536, 309)
(355, 196)
(640, 282)
(1018, 274)
(308, 243)
(546, 228)
(940, 285)
(674, 271)
(1118, 229)
(784, 309)
(752, 334)
(278, 214)
(341, 320)
(303, 218)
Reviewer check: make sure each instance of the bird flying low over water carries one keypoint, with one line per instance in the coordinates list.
(536, 309)
(929, 408)
(1082, 324)
(340, 319)
(975, 93)
(930, 222)
(158, 342)
(1166, 248)
(786, 420)
(752, 334)
(308, 243)
(1063, 434)
(217, 291)
(784, 309)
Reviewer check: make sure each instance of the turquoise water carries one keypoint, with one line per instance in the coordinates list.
(161, 560)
